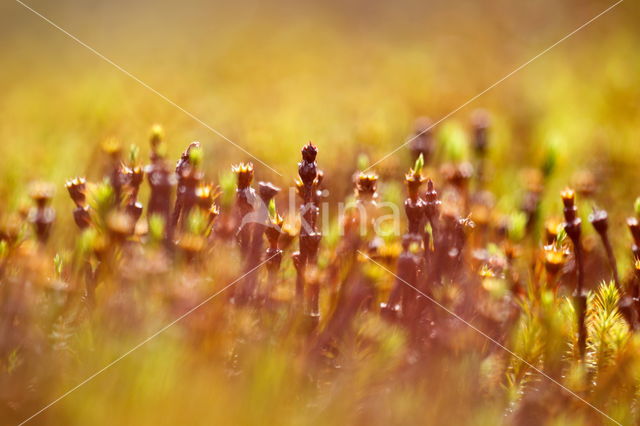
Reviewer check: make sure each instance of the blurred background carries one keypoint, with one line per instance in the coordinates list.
(350, 76)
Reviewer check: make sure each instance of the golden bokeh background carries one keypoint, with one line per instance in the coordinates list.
(351, 76)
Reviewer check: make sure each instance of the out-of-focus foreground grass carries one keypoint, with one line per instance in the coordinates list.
(351, 77)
